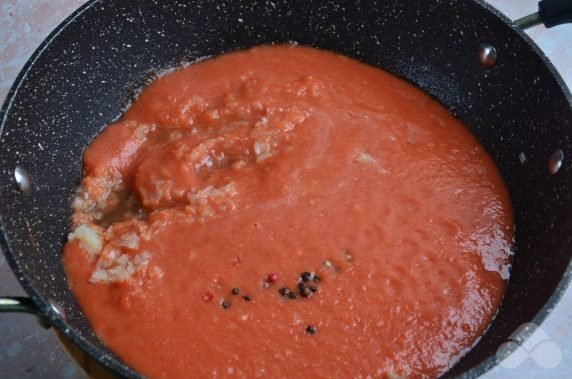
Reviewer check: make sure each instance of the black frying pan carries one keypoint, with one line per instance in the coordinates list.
(86, 71)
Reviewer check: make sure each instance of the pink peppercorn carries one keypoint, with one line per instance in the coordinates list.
(272, 278)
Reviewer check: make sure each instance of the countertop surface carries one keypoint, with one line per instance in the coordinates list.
(29, 351)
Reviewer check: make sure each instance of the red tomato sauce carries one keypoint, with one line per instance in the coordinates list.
(288, 212)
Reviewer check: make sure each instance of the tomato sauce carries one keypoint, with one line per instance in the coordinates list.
(288, 212)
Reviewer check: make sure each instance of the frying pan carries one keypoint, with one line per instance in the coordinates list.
(91, 66)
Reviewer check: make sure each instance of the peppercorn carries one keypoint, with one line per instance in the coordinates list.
(235, 291)
(247, 298)
(265, 284)
(208, 296)
(272, 278)
(293, 295)
(307, 276)
(306, 292)
(284, 291)
(347, 255)
(225, 304)
(313, 288)
(301, 285)
(310, 329)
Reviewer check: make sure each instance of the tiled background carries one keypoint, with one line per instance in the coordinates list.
(28, 351)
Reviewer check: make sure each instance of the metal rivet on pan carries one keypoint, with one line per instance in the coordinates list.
(487, 55)
(555, 161)
(57, 308)
(22, 177)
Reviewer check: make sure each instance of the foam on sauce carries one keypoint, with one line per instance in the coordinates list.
(284, 211)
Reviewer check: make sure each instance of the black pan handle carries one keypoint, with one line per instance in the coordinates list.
(550, 13)
(21, 305)
(17, 304)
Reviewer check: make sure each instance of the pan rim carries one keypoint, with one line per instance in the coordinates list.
(115, 364)
(44, 307)
(566, 279)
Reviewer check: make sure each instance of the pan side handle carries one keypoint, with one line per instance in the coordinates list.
(550, 13)
(22, 305)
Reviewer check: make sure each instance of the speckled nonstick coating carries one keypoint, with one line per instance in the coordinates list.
(81, 76)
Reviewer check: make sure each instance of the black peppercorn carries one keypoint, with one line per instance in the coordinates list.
(309, 276)
(310, 329)
(284, 291)
(306, 292)
(247, 298)
(293, 295)
(235, 291)
(225, 304)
